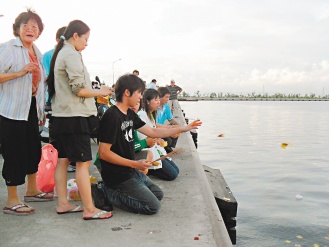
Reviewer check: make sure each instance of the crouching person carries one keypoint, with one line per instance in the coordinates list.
(124, 183)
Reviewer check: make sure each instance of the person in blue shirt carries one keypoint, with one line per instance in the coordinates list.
(49, 54)
(164, 114)
(152, 84)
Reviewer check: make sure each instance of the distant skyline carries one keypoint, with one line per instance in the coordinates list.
(235, 47)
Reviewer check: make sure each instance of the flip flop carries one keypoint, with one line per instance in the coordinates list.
(39, 198)
(14, 210)
(98, 216)
(74, 210)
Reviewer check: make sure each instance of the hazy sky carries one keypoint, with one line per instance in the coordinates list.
(236, 46)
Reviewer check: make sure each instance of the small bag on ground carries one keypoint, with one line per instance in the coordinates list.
(46, 170)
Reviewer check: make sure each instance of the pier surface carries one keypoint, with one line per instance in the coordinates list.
(189, 215)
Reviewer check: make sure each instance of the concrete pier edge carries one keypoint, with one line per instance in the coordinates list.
(218, 227)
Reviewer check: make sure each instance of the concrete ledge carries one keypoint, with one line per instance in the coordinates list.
(225, 200)
(218, 227)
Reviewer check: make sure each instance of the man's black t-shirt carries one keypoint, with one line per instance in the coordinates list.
(117, 128)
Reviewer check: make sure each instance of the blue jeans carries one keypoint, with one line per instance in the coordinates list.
(138, 195)
(168, 172)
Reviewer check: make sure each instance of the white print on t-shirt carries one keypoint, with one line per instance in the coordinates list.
(126, 124)
(126, 128)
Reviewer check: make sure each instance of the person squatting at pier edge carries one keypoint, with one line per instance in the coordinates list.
(164, 114)
(124, 184)
(22, 101)
(167, 170)
(73, 112)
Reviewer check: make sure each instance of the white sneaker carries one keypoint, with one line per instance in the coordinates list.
(71, 168)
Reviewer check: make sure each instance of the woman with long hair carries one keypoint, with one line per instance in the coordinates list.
(150, 103)
(74, 117)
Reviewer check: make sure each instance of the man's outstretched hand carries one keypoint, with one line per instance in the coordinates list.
(195, 124)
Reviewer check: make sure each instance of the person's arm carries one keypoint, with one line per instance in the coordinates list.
(89, 92)
(75, 70)
(7, 61)
(179, 90)
(164, 132)
(10, 76)
(105, 153)
(163, 126)
(168, 127)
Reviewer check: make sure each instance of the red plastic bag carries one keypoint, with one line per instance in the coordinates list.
(46, 170)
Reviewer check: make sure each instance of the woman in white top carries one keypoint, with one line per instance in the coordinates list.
(150, 103)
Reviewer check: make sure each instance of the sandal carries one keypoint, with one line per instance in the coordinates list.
(14, 210)
(42, 197)
(99, 216)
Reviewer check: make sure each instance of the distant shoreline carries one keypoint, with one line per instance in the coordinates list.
(247, 99)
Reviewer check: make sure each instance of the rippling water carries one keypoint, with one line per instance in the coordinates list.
(282, 194)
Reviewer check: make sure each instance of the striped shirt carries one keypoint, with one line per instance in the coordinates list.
(16, 94)
(173, 91)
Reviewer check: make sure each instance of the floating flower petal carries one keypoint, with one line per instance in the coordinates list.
(284, 145)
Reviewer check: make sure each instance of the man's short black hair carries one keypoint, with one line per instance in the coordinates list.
(163, 91)
(154, 80)
(130, 82)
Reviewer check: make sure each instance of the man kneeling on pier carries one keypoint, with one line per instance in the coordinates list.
(124, 183)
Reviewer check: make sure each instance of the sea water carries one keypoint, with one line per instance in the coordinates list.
(274, 155)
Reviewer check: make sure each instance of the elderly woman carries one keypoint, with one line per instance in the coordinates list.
(22, 100)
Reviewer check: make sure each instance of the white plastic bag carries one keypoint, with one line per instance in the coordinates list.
(73, 190)
(157, 152)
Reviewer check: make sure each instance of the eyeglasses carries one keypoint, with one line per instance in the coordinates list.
(33, 27)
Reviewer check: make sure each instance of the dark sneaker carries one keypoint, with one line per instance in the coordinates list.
(99, 198)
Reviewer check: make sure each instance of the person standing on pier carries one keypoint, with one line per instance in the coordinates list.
(74, 118)
(46, 59)
(174, 91)
(152, 84)
(22, 102)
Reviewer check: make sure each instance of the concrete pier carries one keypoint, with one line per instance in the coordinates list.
(189, 215)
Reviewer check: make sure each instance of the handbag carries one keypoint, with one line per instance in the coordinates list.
(46, 170)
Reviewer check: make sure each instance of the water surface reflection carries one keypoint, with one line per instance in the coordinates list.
(266, 179)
